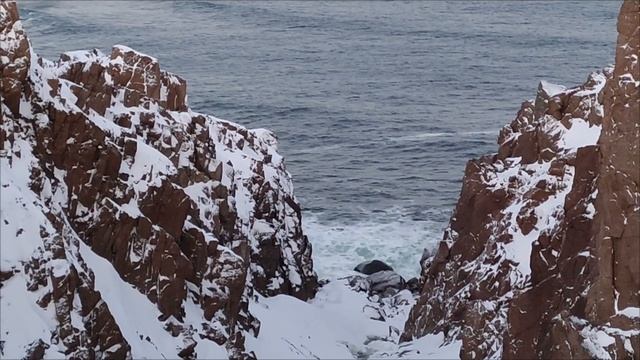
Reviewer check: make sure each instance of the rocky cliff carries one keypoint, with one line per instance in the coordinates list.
(134, 227)
(542, 255)
(131, 225)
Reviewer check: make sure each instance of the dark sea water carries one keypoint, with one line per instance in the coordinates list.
(377, 105)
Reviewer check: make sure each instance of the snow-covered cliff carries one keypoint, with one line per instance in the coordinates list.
(542, 255)
(131, 225)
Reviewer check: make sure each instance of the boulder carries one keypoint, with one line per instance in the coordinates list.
(359, 283)
(372, 266)
(381, 281)
(413, 284)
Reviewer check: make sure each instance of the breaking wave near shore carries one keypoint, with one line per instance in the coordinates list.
(390, 236)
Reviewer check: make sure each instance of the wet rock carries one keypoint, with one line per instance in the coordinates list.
(413, 284)
(383, 283)
(385, 280)
(372, 266)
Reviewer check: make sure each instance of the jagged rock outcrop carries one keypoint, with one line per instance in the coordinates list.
(105, 170)
(542, 255)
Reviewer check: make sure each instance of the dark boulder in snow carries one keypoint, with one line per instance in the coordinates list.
(372, 266)
(381, 281)
(413, 285)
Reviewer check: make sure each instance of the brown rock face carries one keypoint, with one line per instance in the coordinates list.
(15, 57)
(617, 223)
(541, 256)
(187, 208)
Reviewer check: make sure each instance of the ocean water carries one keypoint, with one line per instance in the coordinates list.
(377, 105)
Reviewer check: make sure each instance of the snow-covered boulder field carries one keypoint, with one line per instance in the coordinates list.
(132, 226)
(542, 255)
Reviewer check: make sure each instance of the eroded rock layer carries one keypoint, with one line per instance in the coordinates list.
(110, 183)
(542, 255)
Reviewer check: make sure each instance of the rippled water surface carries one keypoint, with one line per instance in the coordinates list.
(377, 105)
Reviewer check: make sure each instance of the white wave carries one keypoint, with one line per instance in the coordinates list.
(339, 247)
(317, 149)
(420, 136)
(413, 137)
